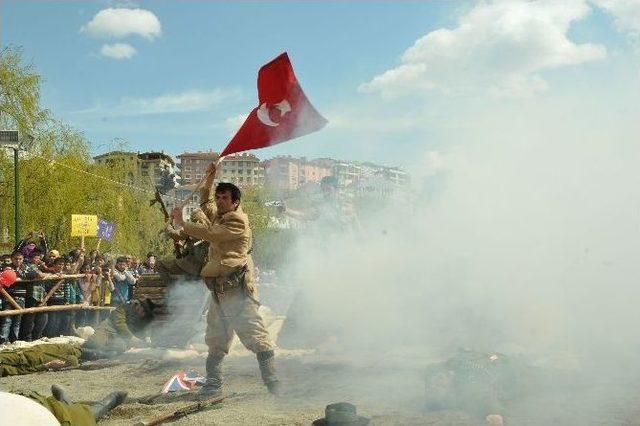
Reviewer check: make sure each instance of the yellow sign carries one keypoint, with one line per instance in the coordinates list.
(84, 225)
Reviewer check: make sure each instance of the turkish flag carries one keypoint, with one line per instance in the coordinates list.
(283, 110)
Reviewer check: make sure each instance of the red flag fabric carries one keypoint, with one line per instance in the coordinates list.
(283, 110)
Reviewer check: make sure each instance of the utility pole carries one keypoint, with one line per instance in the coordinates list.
(16, 192)
(10, 139)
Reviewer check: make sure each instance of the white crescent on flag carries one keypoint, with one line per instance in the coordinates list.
(263, 112)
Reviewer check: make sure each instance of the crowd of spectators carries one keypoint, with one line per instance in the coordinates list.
(107, 280)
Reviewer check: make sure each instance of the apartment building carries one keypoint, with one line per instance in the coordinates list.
(147, 167)
(286, 173)
(241, 169)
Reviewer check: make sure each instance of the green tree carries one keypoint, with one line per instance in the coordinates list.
(19, 93)
(58, 177)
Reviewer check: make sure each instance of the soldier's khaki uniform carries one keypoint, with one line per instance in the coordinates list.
(67, 414)
(194, 260)
(234, 307)
(112, 336)
(116, 332)
(32, 359)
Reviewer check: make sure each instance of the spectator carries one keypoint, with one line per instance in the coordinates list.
(27, 245)
(57, 319)
(32, 325)
(10, 330)
(134, 267)
(87, 287)
(149, 266)
(73, 296)
(76, 257)
(123, 280)
(6, 261)
(106, 286)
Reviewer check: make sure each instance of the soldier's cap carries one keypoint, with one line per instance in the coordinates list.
(341, 414)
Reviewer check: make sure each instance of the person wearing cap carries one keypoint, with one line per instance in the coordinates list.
(229, 275)
(124, 328)
(53, 254)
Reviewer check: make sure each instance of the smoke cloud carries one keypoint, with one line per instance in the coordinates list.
(521, 236)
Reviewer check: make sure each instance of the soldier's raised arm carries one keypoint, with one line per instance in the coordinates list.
(205, 191)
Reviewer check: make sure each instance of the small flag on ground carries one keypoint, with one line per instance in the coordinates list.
(181, 382)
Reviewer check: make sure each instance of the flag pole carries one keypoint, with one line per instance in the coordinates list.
(198, 186)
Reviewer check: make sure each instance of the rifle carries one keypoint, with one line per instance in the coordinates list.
(184, 411)
(177, 247)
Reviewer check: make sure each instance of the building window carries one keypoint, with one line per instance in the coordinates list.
(198, 176)
(187, 176)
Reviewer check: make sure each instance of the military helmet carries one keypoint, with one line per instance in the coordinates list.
(18, 410)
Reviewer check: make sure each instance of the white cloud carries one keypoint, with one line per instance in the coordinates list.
(118, 51)
(626, 14)
(499, 46)
(122, 22)
(232, 124)
(187, 101)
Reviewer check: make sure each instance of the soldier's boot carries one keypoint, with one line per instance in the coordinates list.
(106, 404)
(92, 354)
(268, 371)
(213, 382)
(60, 394)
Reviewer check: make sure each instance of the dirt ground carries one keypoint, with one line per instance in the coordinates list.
(311, 380)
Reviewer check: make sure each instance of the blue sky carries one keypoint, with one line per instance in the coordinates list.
(178, 75)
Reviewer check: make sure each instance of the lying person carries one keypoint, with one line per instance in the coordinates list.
(67, 413)
(119, 332)
(479, 383)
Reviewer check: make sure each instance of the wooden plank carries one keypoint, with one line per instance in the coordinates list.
(50, 293)
(54, 309)
(10, 299)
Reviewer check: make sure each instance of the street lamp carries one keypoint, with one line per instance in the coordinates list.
(11, 139)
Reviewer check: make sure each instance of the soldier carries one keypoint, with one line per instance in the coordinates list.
(194, 253)
(66, 412)
(114, 335)
(479, 383)
(228, 274)
(332, 216)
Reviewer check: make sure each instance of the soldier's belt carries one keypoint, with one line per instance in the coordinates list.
(230, 282)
